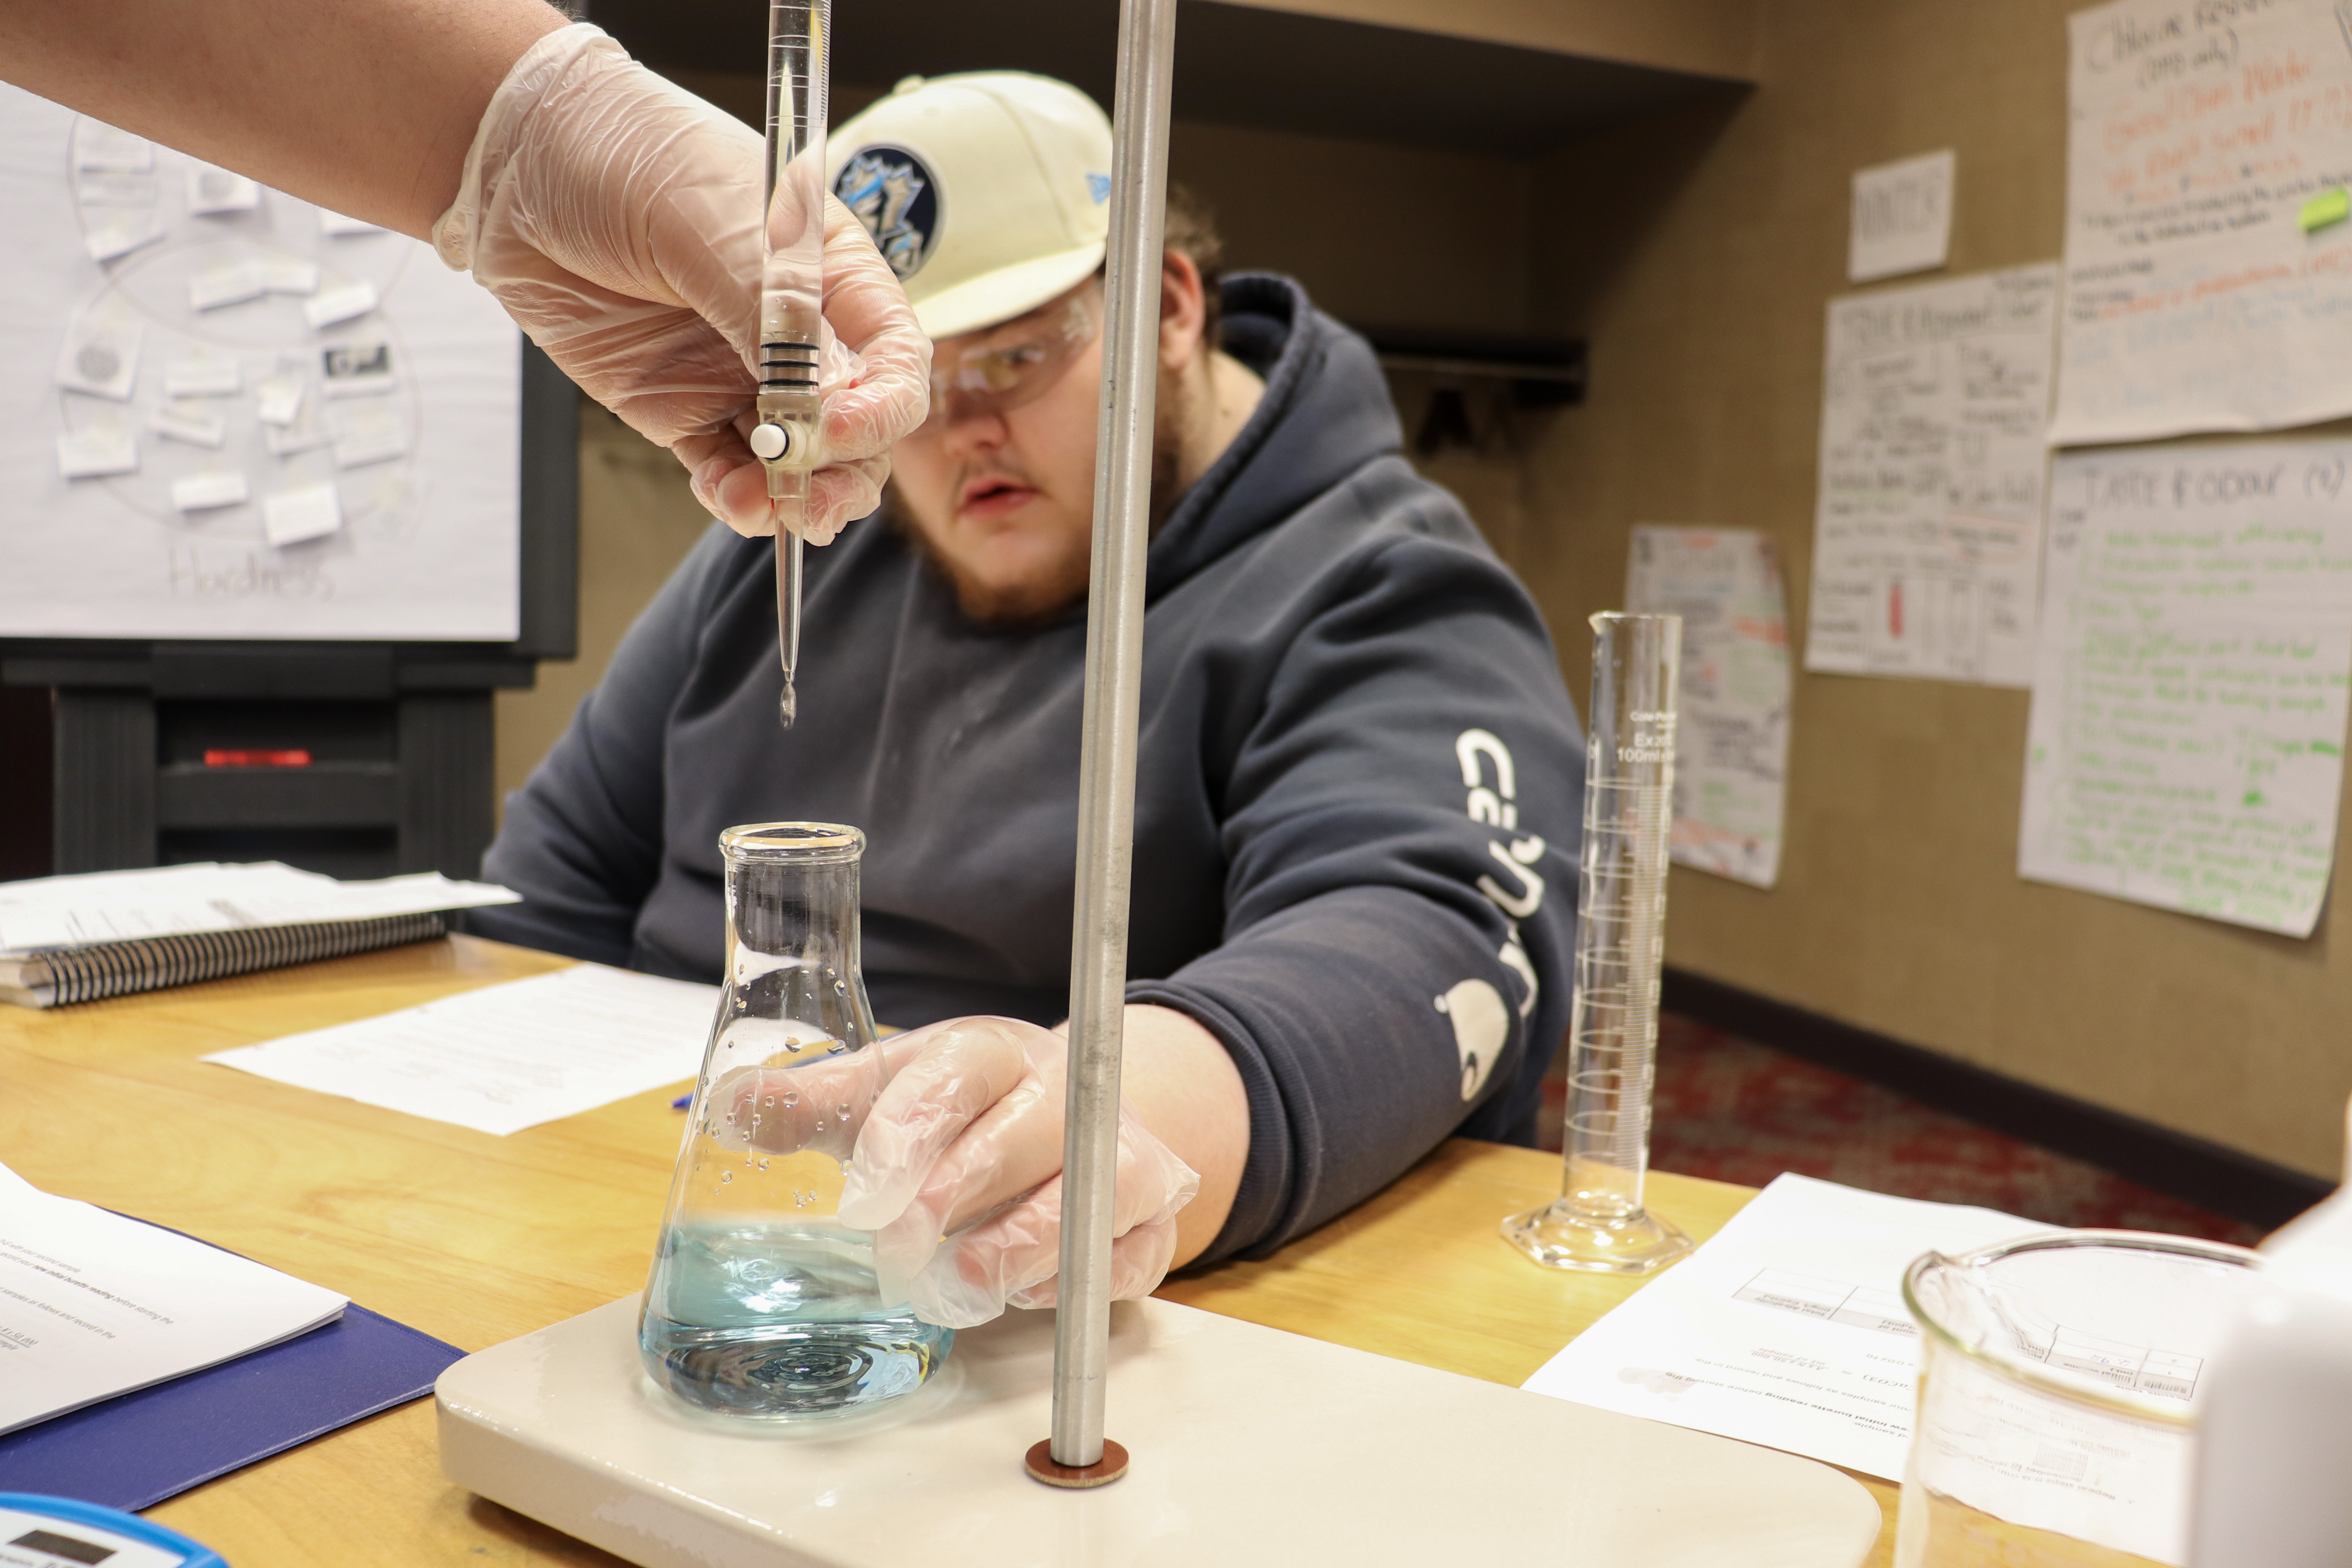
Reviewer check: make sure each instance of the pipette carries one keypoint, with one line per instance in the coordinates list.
(791, 297)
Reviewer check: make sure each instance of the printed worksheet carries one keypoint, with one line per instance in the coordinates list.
(1927, 534)
(93, 1304)
(2186, 745)
(1731, 738)
(505, 1057)
(2209, 266)
(1786, 1328)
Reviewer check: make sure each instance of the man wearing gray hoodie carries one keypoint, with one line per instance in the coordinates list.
(1359, 785)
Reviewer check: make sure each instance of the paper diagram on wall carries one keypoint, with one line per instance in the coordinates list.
(228, 412)
(1731, 745)
(1926, 539)
(2208, 264)
(2186, 746)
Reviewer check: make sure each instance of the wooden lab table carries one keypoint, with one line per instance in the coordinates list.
(475, 1238)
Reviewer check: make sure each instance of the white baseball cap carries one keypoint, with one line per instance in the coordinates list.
(988, 192)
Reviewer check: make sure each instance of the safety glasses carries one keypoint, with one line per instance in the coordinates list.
(1007, 366)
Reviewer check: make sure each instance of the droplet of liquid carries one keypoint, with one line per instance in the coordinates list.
(763, 1164)
(771, 1100)
(844, 1109)
(726, 1176)
(819, 1123)
(791, 1098)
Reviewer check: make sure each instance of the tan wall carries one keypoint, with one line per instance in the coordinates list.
(1698, 252)
(1705, 37)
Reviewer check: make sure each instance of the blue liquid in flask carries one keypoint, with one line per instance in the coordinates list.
(780, 1319)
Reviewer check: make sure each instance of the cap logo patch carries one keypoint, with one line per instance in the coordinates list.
(1098, 187)
(896, 197)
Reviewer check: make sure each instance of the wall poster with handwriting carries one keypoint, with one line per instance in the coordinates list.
(1927, 536)
(2196, 299)
(2186, 747)
(1731, 744)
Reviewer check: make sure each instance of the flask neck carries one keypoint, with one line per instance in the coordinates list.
(791, 910)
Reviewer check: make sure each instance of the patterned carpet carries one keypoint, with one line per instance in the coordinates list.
(1738, 1111)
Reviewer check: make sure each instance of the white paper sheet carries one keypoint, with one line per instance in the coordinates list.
(1902, 217)
(1786, 1328)
(93, 1305)
(1732, 742)
(2194, 299)
(507, 1057)
(2185, 742)
(120, 906)
(1926, 539)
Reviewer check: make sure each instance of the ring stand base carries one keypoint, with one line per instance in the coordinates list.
(1259, 1448)
(1043, 1467)
(1560, 1235)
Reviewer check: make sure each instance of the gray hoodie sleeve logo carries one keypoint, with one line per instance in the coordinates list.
(1493, 783)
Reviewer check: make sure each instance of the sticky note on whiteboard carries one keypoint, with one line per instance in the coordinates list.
(100, 357)
(280, 399)
(110, 231)
(92, 454)
(1902, 217)
(311, 511)
(184, 423)
(232, 284)
(340, 304)
(212, 190)
(98, 145)
(201, 492)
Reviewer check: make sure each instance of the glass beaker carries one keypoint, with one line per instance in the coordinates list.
(1598, 1221)
(2058, 1381)
(760, 1302)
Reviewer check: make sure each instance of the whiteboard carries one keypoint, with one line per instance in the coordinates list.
(225, 412)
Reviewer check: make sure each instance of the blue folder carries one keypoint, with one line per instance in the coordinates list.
(136, 1449)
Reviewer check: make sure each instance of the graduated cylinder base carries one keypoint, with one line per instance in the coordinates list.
(1560, 1235)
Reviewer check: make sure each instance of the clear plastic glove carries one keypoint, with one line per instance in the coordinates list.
(617, 217)
(957, 1173)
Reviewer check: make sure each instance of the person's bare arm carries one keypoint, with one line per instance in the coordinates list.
(1185, 1087)
(363, 106)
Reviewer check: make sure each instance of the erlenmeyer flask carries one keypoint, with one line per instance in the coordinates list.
(760, 1302)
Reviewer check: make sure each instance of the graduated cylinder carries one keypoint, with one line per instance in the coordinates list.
(1598, 1221)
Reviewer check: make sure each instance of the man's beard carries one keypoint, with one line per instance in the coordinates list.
(1047, 598)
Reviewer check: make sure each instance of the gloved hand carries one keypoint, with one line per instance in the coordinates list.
(617, 217)
(969, 1130)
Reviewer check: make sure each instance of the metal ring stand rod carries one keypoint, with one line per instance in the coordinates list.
(1146, 39)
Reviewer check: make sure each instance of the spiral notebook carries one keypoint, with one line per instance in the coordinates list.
(77, 938)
